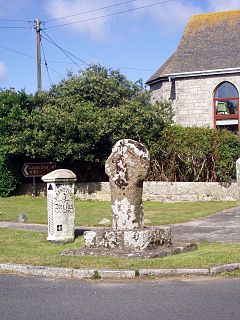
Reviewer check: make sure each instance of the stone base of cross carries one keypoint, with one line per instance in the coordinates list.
(132, 240)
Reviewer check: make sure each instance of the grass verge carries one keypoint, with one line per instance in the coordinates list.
(27, 247)
(89, 213)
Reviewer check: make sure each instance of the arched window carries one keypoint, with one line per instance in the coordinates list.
(226, 106)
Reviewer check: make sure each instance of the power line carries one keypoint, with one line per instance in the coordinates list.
(113, 67)
(18, 52)
(90, 11)
(68, 62)
(16, 20)
(110, 14)
(131, 68)
(67, 52)
(60, 74)
(31, 57)
(15, 27)
(45, 62)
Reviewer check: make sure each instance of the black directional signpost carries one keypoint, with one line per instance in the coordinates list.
(33, 170)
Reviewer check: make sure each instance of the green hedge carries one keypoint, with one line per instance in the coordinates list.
(8, 177)
(194, 154)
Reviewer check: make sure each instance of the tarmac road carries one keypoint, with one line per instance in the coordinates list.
(25, 298)
(223, 226)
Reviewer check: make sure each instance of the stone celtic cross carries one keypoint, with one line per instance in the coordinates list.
(127, 167)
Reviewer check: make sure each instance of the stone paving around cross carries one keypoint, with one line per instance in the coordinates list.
(223, 226)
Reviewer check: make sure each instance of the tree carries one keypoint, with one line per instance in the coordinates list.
(83, 116)
(80, 119)
(105, 88)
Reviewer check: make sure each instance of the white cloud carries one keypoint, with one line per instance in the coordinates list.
(223, 5)
(97, 29)
(3, 71)
(170, 16)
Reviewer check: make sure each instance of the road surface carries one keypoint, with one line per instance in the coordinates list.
(43, 298)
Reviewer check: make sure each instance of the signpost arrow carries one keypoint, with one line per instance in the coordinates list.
(37, 169)
(33, 170)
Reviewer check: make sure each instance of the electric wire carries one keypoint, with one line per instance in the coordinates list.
(15, 27)
(16, 20)
(90, 11)
(60, 74)
(131, 68)
(109, 15)
(85, 63)
(45, 62)
(18, 52)
(63, 50)
(68, 62)
(31, 57)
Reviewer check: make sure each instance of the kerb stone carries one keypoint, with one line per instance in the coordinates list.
(116, 274)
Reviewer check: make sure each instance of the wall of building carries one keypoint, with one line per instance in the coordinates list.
(154, 191)
(192, 98)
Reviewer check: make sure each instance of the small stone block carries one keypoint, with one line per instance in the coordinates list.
(38, 270)
(225, 267)
(119, 274)
(155, 272)
(83, 274)
(199, 272)
(22, 218)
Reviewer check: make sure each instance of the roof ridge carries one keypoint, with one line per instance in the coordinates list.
(216, 13)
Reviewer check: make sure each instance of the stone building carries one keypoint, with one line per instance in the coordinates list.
(202, 77)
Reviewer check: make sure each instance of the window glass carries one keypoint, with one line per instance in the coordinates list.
(226, 106)
(226, 89)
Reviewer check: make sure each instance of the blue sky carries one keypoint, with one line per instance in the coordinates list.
(137, 42)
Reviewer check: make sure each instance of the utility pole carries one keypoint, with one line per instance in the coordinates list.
(39, 73)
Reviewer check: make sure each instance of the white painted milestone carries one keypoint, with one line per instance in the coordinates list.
(61, 213)
(238, 176)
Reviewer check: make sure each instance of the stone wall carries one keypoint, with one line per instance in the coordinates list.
(154, 191)
(192, 98)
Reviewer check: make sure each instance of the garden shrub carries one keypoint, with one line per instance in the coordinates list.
(194, 154)
(8, 177)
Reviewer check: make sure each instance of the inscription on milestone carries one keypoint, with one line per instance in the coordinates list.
(50, 214)
(63, 202)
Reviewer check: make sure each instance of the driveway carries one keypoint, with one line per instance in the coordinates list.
(223, 226)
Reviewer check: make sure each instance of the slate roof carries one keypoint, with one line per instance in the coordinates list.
(210, 42)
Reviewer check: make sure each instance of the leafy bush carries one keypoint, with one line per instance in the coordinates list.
(194, 154)
(79, 120)
(103, 87)
(8, 177)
